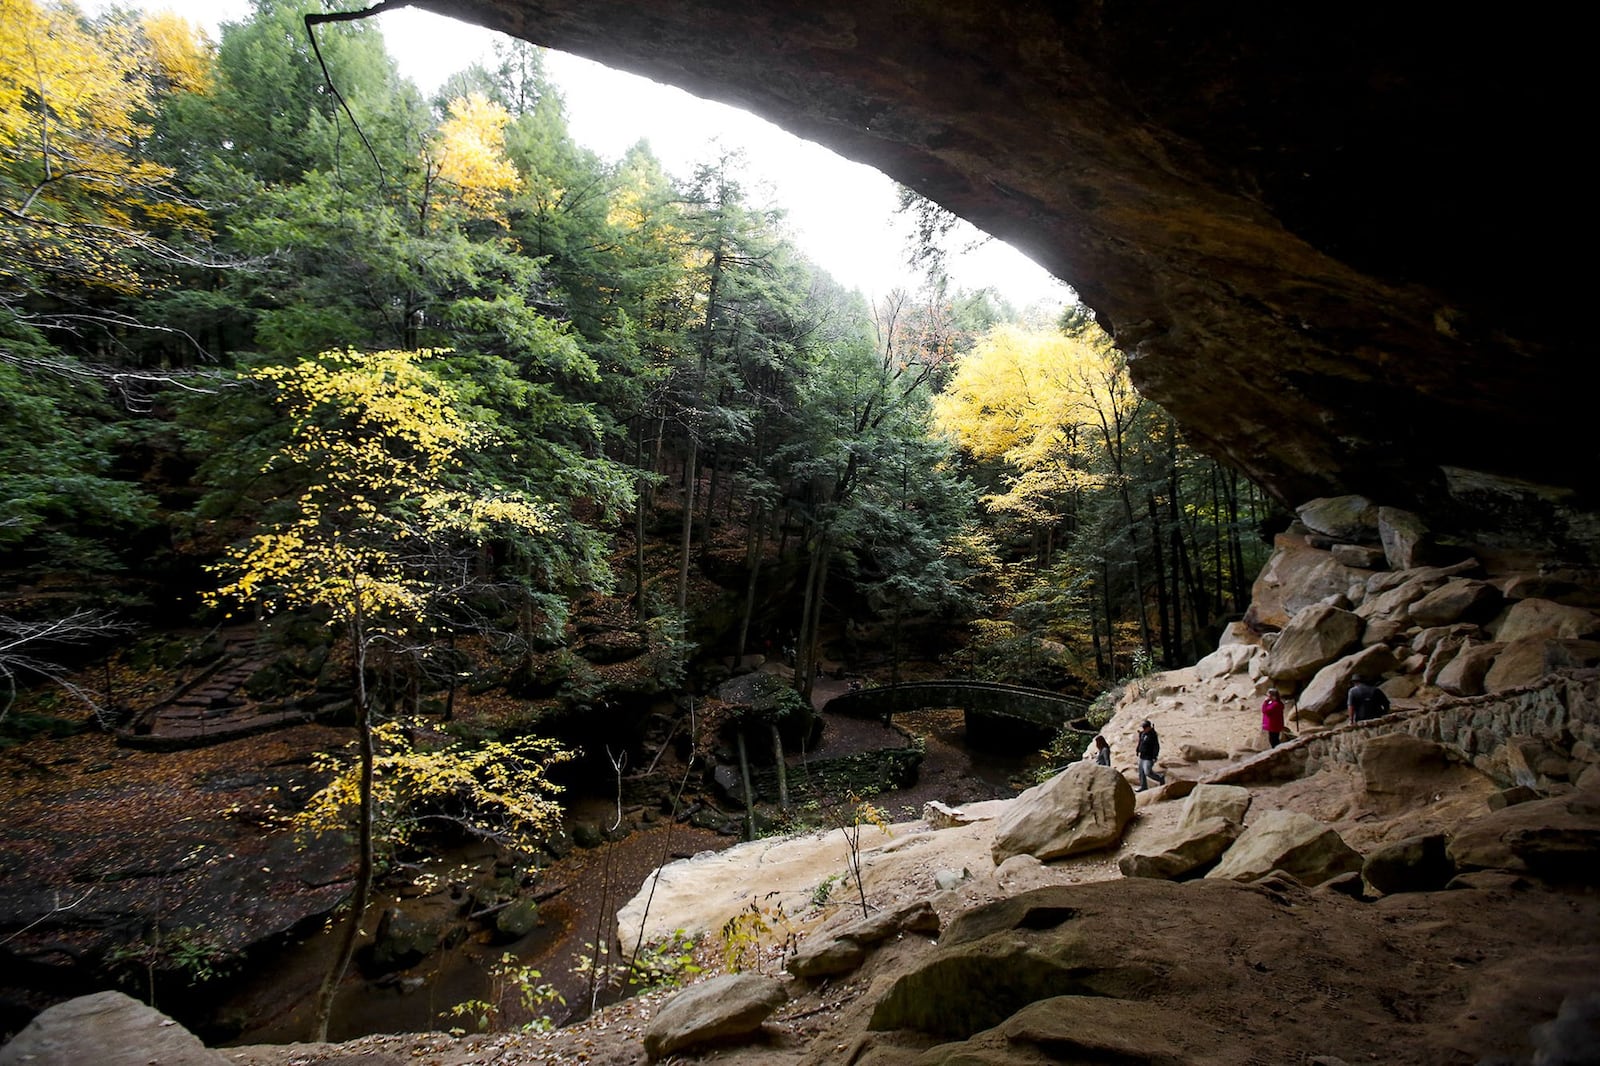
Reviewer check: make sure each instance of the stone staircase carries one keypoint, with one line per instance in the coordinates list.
(213, 706)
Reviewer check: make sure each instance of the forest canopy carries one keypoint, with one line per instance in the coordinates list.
(647, 362)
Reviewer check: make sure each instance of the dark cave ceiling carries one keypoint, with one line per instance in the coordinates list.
(1340, 243)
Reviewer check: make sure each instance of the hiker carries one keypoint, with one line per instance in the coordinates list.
(1272, 717)
(1102, 751)
(1366, 700)
(1149, 748)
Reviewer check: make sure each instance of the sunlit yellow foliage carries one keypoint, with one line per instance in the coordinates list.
(178, 52)
(382, 436)
(74, 192)
(497, 791)
(470, 148)
(1029, 398)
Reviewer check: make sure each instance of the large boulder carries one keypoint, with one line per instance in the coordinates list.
(1460, 599)
(997, 958)
(1226, 660)
(1393, 602)
(1324, 697)
(1314, 637)
(828, 952)
(106, 1029)
(1295, 843)
(1464, 674)
(1295, 577)
(1353, 519)
(1404, 537)
(1522, 662)
(402, 939)
(1083, 808)
(1228, 802)
(1557, 839)
(1415, 864)
(1543, 618)
(722, 1009)
(1399, 770)
(1185, 852)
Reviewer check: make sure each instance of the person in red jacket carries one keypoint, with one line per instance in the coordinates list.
(1272, 716)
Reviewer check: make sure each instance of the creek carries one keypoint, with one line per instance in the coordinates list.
(579, 895)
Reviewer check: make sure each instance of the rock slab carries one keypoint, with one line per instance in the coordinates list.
(1083, 808)
(106, 1029)
(721, 1009)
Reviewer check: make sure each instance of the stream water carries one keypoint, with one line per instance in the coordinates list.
(588, 886)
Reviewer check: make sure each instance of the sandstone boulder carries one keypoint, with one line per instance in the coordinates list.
(1394, 603)
(1457, 600)
(1358, 557)
(1398, 770)
(1352, 519)
(1295, 577)
(1324, 697)
(1385, 631)
(1229, 659)
(402, 940)
(1185, 852)
(1238, 633)
(1522, 662)
(836, 951)
(1314, 637)
(1083, 808)
(1543, 618)
(106, 1029)
(1295, 843)
(1432, 636)
(721, 1009)
(1443, 653)
(1228, 802)
(1404, 537)
(1416, 864)
(1557, 839)
(942, 816)
(995, 959)
(1464, 674)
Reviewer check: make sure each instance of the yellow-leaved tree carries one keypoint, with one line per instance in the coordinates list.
(80, 203)
(385, 502)
(469, 154)
(1029, 398)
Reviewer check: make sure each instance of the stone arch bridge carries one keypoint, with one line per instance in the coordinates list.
(997, 715)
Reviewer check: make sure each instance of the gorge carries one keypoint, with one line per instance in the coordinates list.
(1331, 245)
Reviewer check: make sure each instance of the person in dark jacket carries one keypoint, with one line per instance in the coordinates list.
(1102, 751)
(1148, 750)
(1366, 700)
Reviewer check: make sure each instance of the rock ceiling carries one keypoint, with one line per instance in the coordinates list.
(1338, 242)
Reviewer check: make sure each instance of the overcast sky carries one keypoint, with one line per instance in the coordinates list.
(840, 213)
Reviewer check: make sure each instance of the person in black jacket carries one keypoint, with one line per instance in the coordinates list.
(1148, 750)
(1366, 700)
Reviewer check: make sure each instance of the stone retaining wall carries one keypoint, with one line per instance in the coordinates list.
(1542, 735)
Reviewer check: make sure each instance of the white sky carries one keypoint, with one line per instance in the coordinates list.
(840, 213)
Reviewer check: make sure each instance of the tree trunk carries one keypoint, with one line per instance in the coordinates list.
(1094, 635)
(753, 562)
(689, 481)
(1164, 599)
(749, 793)
(783, 768)
(641, 501)
(362, 893)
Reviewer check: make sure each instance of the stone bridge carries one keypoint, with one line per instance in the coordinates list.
(997, 715)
